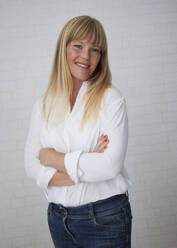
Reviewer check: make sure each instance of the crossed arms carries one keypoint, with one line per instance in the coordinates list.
(49, 157)
(49, 167)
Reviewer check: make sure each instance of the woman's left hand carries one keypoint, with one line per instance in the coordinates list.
(44, 155)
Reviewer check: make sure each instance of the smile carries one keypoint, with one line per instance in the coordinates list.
(83, 66)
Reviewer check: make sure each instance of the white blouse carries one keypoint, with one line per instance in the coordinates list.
(96, 175)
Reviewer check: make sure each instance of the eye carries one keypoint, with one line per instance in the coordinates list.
(78, 46)
(96, 50)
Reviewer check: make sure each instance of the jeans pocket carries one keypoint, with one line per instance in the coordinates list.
(113, 219)
(54, 220)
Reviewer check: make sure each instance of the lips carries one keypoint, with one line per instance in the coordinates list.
(82, 65)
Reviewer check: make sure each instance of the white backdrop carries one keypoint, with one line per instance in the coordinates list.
(142, 41)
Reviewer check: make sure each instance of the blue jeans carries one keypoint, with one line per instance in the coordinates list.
(104, 223)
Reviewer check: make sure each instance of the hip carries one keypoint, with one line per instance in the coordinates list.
(108, 220)
(111, 206)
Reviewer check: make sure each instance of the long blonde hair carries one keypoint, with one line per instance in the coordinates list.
(56, 99)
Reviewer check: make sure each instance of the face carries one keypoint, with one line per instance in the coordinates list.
(82, 58)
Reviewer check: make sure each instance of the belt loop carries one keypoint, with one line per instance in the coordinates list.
(92, 210)
(127, 194)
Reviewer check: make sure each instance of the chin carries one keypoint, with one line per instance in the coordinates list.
(82, 79)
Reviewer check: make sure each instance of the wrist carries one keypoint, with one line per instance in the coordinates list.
(57, 161)
(50, 157)
(60, 179)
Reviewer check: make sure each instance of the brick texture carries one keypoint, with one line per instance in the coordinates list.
(142, 41)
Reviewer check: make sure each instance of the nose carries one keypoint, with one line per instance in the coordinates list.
(85, 54)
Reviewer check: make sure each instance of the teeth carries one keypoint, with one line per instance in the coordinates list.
(84, 66)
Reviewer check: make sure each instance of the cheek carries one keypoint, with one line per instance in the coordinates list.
(96, 61)
(69, 57)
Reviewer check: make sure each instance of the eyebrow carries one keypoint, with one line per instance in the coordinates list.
(83, 43)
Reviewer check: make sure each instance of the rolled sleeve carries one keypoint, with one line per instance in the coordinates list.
(44, 177)
(71, 164)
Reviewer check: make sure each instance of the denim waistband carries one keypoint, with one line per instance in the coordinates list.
(86, 210)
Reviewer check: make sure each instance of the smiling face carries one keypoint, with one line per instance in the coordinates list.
(82, 58)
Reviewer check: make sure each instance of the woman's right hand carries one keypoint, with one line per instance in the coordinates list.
(101, 143)
(61, 179)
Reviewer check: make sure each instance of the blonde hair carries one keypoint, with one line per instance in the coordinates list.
(56, 99)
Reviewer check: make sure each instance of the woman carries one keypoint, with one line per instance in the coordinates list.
(77, 142)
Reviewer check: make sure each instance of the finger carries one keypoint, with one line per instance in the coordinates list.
(103, 147)
(104, 144)
(101, 144)
(103, 139)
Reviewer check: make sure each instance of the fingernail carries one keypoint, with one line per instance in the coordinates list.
(105, 147)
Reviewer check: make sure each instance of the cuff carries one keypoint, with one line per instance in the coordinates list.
(71, 165)
(44, 176)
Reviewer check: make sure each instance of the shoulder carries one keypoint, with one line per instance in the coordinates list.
(113, 101)
(112, 95)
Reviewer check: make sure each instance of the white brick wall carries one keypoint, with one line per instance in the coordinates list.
(142, 39)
